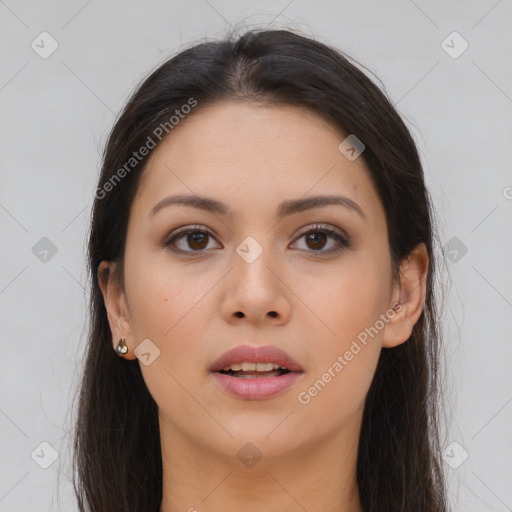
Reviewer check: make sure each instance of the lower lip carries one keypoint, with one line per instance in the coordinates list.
(258, 388)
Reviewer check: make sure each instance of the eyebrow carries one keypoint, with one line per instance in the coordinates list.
(285, 208)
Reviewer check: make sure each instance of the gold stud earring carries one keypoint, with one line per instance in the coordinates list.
(122, 348)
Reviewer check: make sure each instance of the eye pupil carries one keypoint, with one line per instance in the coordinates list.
(317, 244)
(195, 237)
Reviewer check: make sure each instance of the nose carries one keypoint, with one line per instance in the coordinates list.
(256, 290)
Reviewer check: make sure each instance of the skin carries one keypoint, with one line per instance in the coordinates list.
(252, 157)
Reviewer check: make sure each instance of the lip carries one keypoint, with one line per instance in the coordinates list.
(266, 354)
(259, 388)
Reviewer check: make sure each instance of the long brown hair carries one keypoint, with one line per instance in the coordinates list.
(117, 452)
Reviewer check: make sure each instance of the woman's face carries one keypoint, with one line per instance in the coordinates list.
(257, 278)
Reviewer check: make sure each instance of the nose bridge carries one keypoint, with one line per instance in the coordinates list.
(253, 289)
(253, 258)
(251, 250)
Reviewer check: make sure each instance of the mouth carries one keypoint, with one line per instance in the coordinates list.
(254, 370)
(249, 373)
(246, 359)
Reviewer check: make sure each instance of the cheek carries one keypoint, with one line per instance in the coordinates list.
(348, 299)
(170, 305)
(160, 293)
(171, 310)
(346, 345)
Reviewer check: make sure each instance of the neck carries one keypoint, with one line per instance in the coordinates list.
(313, 478)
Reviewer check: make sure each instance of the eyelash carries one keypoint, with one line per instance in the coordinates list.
(343, 240)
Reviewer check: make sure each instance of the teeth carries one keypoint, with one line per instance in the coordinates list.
(264, 367)
(253, 367)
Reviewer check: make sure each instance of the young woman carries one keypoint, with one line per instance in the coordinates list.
(264, 333)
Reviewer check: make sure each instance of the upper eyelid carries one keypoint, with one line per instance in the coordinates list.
(320, 226)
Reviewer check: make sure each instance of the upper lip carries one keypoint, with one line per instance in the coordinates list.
(248, 354)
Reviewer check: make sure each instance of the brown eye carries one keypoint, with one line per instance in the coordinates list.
(191, 239)
(197, 241)
(317, 238)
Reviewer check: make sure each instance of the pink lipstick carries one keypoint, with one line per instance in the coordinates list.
(252, 373)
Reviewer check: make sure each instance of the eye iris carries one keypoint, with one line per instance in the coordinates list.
(313, 237)
(193, 238)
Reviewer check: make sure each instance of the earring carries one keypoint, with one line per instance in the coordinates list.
(122, 348)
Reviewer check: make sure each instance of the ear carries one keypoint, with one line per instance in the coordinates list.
(116, 306)
(408, 296)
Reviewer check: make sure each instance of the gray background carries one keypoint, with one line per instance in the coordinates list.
(56, 113)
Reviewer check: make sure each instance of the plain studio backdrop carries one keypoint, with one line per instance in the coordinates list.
(67, 69)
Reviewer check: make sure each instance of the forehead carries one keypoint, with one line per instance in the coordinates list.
(254, 155)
